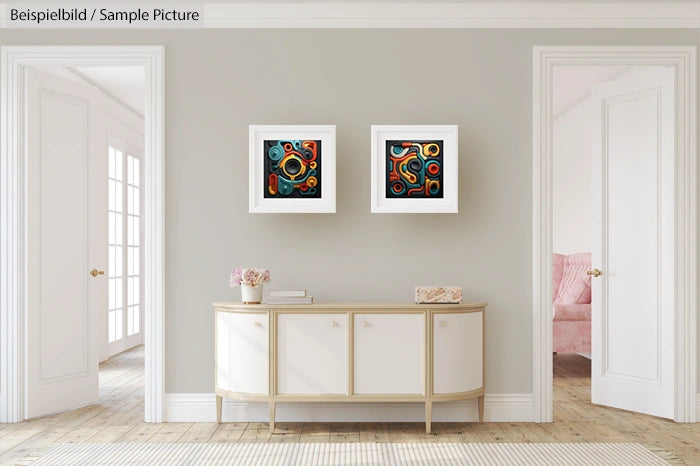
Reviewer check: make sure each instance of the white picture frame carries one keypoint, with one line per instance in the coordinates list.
(381, 203)
(258, 202)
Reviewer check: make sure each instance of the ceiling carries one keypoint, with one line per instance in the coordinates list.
(573, 83)
(124, 83)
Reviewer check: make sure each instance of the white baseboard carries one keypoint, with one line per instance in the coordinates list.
(201, 407)
(103, 351)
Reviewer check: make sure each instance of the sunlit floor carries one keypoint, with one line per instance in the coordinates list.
(119, 418)
(574, 413)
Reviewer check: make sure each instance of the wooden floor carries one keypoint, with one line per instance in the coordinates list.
(119, 418)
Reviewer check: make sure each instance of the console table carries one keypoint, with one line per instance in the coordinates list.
(352, 352)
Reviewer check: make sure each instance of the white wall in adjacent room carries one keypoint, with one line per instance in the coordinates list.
(571, 188)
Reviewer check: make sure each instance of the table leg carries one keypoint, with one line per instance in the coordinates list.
(428, 415)
(218, 409)
(481, 408)
(272, 415)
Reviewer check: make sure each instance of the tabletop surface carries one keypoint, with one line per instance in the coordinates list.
(349, 306)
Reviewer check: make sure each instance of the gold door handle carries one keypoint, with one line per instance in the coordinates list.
(595, 273)
(95, 272)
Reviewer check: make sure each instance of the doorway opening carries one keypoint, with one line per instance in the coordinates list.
(573, 153)
(85, 143)
(95, 179)
(642, 230)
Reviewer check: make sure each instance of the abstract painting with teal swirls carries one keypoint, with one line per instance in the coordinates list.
(414, 169)
(292, 168)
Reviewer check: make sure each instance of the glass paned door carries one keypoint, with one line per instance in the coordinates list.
(133, 216)
(125, 277)
(116, 244)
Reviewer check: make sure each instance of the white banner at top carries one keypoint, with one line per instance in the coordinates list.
(100, 16)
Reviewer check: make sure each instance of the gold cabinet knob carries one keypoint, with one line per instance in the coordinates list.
(595, 272)
(95, 272)
(256, 324)
(443, 323)
(365, 324)
(334, 324)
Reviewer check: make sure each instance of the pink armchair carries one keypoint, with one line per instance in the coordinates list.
(571, 288)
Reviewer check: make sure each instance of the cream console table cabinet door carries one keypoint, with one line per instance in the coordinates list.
(349, 352)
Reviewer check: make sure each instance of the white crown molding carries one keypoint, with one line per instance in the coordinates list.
(571, 116)
(77, 74)
(461, 14)
(201, 407)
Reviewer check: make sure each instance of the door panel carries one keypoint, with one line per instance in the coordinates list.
(457, 352)
(63, 219)
(632, 285)
(633, 303)
(312, 353)
(242, 352)
(389, 351)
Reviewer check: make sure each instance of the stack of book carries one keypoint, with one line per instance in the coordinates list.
(289, 297)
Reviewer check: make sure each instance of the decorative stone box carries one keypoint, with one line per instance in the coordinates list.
(438, 294)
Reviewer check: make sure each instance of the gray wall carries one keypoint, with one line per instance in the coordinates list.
(220, 81)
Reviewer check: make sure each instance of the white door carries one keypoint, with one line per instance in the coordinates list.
(389, 351)
(312, 353)
(633, 215)
(66, 233)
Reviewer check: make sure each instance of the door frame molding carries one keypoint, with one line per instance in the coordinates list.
(683, 58)
(14, 61)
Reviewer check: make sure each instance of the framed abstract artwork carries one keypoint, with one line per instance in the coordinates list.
(414, 169)
(292, 169)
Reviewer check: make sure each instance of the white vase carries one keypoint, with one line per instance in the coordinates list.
(251, 294)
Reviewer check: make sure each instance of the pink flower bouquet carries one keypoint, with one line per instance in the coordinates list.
(249, 276)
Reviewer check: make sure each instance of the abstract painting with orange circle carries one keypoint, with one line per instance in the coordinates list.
(414, 169)
(292, 168)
